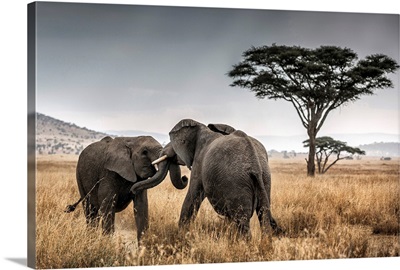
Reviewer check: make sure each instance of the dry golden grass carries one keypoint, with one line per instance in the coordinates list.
(350, 212)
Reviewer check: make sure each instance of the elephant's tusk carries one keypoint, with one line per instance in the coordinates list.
(164, 157)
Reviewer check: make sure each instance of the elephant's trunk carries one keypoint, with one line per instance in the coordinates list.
(155, 180)
(174, 171)
(175, 175)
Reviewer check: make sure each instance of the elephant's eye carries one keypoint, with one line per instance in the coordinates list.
(144, 152)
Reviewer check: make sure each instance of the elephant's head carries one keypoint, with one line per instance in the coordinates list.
(180, 151)
(184, 137)
(131, 157)
(168, 161)
(221, 128)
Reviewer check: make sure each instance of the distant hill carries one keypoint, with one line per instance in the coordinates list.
(54, 136)
(295, 143)
(383, 149)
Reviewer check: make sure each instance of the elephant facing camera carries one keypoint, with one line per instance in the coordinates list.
(106, 172)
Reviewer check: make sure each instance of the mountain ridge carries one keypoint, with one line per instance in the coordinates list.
(54, 136)
(282, 143)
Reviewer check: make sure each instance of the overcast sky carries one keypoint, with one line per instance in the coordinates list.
(126, 67)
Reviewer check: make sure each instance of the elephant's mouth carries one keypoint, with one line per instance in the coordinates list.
(148, 171)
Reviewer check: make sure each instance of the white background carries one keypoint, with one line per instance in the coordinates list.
(13, 106)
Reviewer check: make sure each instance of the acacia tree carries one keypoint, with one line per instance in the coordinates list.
(326, 147)
(315, 81)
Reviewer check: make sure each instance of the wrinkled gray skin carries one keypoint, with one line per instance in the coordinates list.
(106, 172)
(263, 158)
(228, 167)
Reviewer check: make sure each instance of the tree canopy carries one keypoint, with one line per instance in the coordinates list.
(315, 81)
(326, 147)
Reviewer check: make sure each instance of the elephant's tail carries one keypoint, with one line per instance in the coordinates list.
(71, 208)
(264, 200)
(257, 175)
(256, 171)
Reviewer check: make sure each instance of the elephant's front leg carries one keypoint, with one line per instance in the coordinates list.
(192, 202)
(141, 212)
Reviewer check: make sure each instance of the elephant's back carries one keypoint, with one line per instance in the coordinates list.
(229, 152)
(90, 165)
(226, 173)
(92, 157)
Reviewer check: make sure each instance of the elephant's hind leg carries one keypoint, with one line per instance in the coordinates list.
(91, 213)
(267, 221)
(274, 225)
(243, 227)
(241, 216)
(107, 213)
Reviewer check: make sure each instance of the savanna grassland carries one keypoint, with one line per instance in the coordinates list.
(350, 212)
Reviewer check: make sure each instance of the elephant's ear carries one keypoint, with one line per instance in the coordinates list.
(119, 160)
(221, 128)
(185, 123)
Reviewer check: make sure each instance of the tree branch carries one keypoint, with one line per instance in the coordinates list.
(300, 113)
(326, 160)
(324, 114)
(333, 163)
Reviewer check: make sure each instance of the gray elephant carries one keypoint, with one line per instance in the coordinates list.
(228, 167)
(106, 172)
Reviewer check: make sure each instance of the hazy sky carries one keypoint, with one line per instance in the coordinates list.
(122, 67)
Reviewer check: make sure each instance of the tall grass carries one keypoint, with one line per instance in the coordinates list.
(350, 212)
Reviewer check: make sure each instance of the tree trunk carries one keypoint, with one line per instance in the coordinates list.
(319, 161)
(311, 156)
(311, 152)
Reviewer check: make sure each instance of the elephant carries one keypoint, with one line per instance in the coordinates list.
(107, 170)
(228, 167)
